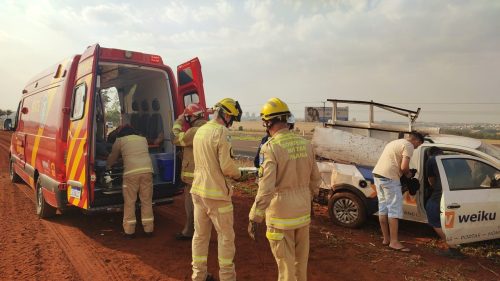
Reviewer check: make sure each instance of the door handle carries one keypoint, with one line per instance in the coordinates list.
(453, 206)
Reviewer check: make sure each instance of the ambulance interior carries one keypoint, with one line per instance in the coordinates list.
(142, 98)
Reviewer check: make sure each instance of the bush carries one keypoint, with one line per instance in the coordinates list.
(240, 128)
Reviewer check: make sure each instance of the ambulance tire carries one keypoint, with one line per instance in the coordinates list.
(43, 209)
(14, 177)
(347, 210)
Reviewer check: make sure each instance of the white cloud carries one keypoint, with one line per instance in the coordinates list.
(299, 50)
(179, 12)
(260, 10)
(111, 14)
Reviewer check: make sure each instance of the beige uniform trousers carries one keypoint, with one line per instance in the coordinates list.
(188, 206)
(291, 251)
(220, 214)
(142, 184)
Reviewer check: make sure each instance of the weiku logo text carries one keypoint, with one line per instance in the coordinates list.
(480, 216)
(468, 218)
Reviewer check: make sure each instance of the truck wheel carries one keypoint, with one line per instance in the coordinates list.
(43, 209)
(346, 209)
(12, 173)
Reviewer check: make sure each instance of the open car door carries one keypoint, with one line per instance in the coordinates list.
(80, 129)
(471, 198)
(190, 85)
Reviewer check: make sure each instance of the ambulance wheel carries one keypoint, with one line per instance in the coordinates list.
(346, 209)
(12, 173)
(43, 209)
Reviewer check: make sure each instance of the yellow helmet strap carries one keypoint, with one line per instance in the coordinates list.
(222, 116)
(270, 123)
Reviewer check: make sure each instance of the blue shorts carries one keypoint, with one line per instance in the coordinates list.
(390, 198)
(433, 213)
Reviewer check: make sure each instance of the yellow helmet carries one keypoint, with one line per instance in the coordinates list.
(273, 108)
(230, 107)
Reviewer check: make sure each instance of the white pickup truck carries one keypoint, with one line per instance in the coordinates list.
(469, 174)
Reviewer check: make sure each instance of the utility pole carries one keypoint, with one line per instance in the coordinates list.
(324, 110)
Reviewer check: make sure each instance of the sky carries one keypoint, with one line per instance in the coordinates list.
(441, 56)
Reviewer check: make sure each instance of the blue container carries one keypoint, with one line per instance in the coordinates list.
(165, 162)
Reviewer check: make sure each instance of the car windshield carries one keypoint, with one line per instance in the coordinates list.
(490, 150)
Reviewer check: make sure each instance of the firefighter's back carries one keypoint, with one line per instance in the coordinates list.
(209, 181)
(293, 158)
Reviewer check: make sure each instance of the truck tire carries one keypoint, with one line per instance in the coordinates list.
(43, 209)
(15, 178)
(346, 209)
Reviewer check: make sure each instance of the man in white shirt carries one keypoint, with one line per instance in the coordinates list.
(392, 164)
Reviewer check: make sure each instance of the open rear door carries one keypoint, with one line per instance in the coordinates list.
(80, 130)
(471, 198)
(190, 85)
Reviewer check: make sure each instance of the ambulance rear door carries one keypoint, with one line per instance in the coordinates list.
(190, 85)
(79, 137)
(471, 198)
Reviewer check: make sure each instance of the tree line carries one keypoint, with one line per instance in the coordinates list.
(5, 112)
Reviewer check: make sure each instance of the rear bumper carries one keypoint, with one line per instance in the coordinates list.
(162, 194)
(119, 207)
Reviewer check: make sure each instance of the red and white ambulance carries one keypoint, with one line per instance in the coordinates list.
(60, 126)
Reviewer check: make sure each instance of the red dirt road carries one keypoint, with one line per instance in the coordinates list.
(75, 246)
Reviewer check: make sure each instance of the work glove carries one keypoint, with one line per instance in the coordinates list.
(252, 229)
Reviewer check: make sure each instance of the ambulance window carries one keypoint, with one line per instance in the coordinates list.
(185, 76)
(78, 102)
(464, 174)
(191, 98)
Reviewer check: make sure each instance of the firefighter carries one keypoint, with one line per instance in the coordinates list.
(291, 125)
(193, 117)
(137, 178)
(289, 178)
(212, 194)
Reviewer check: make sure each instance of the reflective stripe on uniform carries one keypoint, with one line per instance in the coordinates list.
(205, 191)
(289, 222)
(223, 261)
(133, 138)
(177, 126)
(200, 259)
(226, 209)
(277, 236)
(137, 170)
(258, 212)
(147, 219)
(180, 137)
(130, 222)
(187, 174)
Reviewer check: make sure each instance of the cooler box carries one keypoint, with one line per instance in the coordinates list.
(165, 163)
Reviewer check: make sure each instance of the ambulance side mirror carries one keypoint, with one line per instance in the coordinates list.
(24, 110)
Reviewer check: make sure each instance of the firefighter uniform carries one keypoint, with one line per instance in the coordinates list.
(185, 140)
(137, 179)
(212, 199)
(289, 177)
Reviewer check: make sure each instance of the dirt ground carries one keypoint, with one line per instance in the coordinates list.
(75, 246)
